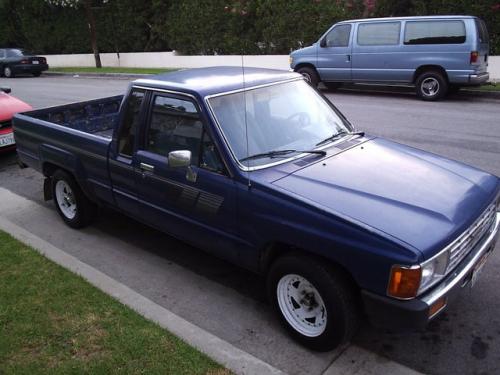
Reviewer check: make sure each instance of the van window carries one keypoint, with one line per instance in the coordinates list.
(376, 34)
(435, 32)
(338, 36)
(482, 32)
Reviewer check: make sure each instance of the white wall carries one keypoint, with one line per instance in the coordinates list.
(172, 60)
(168, 60)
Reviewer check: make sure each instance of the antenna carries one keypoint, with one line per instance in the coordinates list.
(246, 123)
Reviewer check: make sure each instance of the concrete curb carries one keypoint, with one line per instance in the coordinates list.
(221, 351)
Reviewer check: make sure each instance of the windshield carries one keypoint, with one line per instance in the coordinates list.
(286, 116)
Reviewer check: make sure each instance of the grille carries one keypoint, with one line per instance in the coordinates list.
(466, 242)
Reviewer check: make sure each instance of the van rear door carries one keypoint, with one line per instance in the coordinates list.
(334, 54)
(483, 47)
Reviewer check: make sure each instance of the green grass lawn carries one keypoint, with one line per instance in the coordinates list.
(491, 87)
(111, 70)
(53, 321)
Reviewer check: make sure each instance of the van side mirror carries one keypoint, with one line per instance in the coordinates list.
(180, 158)
(322, 43)
(6, 90)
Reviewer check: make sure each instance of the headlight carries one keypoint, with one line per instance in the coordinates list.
(406, 282)
(290, 60)
(433, 270)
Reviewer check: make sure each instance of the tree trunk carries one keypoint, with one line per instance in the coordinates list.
(93, 36)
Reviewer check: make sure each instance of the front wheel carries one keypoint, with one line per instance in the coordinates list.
(73, 206)
(317, 305)
(431, 85)
(310, 75)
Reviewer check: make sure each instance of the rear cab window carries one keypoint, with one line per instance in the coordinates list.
(435, 32)
(378, 33)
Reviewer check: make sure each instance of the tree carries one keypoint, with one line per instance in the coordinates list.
(89, 13)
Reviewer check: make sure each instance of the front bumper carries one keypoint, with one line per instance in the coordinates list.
(399, 315)
(478, 79)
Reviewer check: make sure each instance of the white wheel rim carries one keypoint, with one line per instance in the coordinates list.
(306, 76)
(7, 72)
(65, 199)
(430, 86)
(301, 305)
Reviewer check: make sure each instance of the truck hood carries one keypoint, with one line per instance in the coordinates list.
(310, 50)
(413, 196)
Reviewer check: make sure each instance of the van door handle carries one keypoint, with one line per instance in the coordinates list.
(348, 58)
(147, 167)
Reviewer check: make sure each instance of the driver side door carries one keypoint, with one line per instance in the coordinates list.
(197, 202)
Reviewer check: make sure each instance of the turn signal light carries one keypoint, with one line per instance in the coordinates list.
(24, 62)
(474, 56)
(437, 306)
(404, 282)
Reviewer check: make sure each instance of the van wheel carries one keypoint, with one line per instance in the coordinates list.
(431, 85)
(73, 206)
(310, 75)
(316, 304)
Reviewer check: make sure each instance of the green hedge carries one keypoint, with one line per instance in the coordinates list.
(208, 26)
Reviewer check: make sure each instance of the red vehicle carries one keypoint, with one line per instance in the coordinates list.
(8, 107)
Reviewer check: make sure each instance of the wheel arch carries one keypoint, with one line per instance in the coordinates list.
(426, 68)
(305, 65)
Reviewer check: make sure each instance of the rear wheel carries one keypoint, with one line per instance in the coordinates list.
(316, 304)
(73, 206)
(7, 72)
(431, 85)
(310, 75)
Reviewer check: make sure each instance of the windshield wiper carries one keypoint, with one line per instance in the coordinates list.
(276, 153)
(338, 135)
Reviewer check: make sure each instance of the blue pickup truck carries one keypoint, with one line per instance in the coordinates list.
(261, 170)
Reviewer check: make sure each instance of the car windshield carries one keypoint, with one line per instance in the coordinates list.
(287, 116)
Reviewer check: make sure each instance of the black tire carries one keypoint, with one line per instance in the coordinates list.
(431, 85)
(37, 74)
(310, 75)
(332, 85)
(85, 209)
(8, 72)
(338, 295)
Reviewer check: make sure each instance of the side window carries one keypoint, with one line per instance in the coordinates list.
(338, 36)
(435, 32)
(210, 158)
(128, 129)
(174, 125)
(2, 54)
(377, 34)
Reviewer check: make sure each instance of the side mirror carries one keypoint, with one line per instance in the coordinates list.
(6, 90)
(322, 43)
(180, 158)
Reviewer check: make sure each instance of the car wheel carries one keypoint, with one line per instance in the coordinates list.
(332, 85)
(7, 72)
(73, 206)
(310, 75)
(431, 85)
(37, 74)
(316, 304)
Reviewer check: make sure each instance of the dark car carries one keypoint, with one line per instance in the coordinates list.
(15, 61)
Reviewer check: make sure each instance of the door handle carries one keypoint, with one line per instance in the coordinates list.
(348, 58)
(147, 167)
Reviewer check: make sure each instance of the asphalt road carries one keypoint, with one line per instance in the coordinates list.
(230, 302)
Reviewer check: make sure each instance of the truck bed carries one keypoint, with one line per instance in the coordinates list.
(96, 117)
(74, 137)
